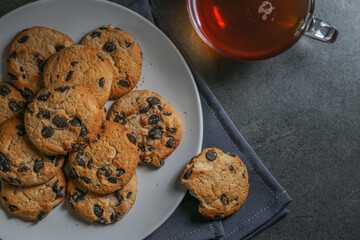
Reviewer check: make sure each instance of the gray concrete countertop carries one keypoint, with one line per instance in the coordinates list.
(300, 112)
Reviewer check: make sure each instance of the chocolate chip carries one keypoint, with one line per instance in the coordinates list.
(224, 199)
(218, 215)
(131, 138)
(5, 199)
(160, 107)
(155, 132)
(101, 221)
(141, 147)
(112, 179)
(231, 154)
(58, 191)
(188, 173)
(171, 130)
(12, 77)
(38, 165)
(69, 75)
(74, 172)
(210, 155)
(41, 214)
(80, 159)
(162, 161)
(21, 69)
(14, 180)
(47, 132)
(128, 195)
(100, 57)
(41, 64)
(83, 131)
(60, 122)
(167, 113)
(103, 28)
(98, 211)
(23, 39)
(86, 180)
(78, 195)
(59, 47)
(28, 92)
(89, 165)
(120, 199)
(145, 109)
(95, 34)
(154, 119)
(114, 216)
(23, 169)
(21, 128)
(13, 208)
(127, 44)
(103, 171)
(153, 100)
(120, 119)
(23, 76)
(4, 90)
(75, 122)
(44, 97)
(170, 143)
(62, 89)
(102, 82)
(244, 174)
(110, 47)
(124, 83)
(77, 146)
(12, 55)
(118, 29)
(150, 149)
(231, 168)
(57, 160)
(120, 172)
(5, 164)
(43, 113)
(14, 106)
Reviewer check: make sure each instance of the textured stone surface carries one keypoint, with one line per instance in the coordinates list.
(299, 111)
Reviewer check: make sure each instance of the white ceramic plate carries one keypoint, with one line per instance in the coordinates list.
(164, 71)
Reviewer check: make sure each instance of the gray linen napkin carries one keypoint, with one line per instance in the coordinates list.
(267, 199)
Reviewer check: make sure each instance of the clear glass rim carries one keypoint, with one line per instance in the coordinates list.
(195, 21)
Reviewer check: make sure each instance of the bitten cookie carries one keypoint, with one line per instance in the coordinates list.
(82, 65)
(20, 162)
(107, 164)
(155, 124)
(28, 54)
(97, 208)
(218, 180)
(33, 203)
(12, 104)
(63, 119)
(125, 52)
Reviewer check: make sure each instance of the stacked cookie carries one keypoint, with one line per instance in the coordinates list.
(64, 88)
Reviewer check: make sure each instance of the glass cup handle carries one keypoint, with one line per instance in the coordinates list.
(322, 31)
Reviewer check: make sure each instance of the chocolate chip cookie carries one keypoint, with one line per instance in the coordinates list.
(107, 164)
(82, 65)
(218, 180)
(33, 203)
(28, 54)
(97, 208)
(12, 104)
(155, 124)
(62, 119)
(125, 52)
(20, 162)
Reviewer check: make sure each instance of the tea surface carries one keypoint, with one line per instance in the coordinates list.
(251, 28)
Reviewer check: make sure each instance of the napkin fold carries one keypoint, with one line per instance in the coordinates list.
(267, 199)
